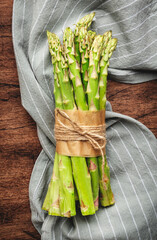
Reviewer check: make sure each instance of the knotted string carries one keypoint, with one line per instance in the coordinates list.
(93, 134)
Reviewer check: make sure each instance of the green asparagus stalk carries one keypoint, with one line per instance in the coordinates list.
(83, 22)
(106, 195)
(104, 64)
(52, 199)
(93, 102)
(80, 171)
(85, 41)
(67, 199)
(92, 88)
(94, 173)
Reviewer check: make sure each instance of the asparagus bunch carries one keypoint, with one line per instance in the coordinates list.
(80, 79)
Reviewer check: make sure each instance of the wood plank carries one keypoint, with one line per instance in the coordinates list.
(138, 101)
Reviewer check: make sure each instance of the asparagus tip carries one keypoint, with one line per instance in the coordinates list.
(86, 20)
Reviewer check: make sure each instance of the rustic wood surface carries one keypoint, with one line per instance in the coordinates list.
(19, 144)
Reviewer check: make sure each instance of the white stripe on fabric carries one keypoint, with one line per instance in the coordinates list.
(77, 228)
(23, 14)
(45, 147)
(42, 33)
(85, 9)
(51, 95)
(38, 17)
(132, 183)
(121, 221)
(123, 191)
(110, 24)
(49, 219)
(69, 232)
(61, 236)
(139, 152)
(43, 172)
(148, 143)
(40, 179)
(45, 101)
(70, 13)
(132, 54)
(44, 223)
(110, 224)
(60, 15)
(119, 9)
(104, 3)
(89, 228)
(132, 29)
(135, 41)
(99, 226)
(53, 228)
(147, 60)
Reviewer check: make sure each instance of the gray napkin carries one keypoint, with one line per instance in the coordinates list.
(131, 147)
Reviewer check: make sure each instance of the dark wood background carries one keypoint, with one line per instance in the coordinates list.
(19, 144)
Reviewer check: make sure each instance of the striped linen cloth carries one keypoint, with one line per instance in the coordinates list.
(131, 147)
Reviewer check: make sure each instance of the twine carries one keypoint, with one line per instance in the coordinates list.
(94, 134)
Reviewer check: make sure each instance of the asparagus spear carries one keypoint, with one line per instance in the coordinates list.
(67, 199)
(52, 199)
(85, 41)
(104, 64)
(106, 195)
(93, 102)
(80, 171)
(94, 173)
(83, 22)
(92, 88)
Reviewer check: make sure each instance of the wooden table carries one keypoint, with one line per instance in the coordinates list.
(19, 143)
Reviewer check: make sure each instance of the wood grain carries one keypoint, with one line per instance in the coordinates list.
(138, 101)
(19, 144)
